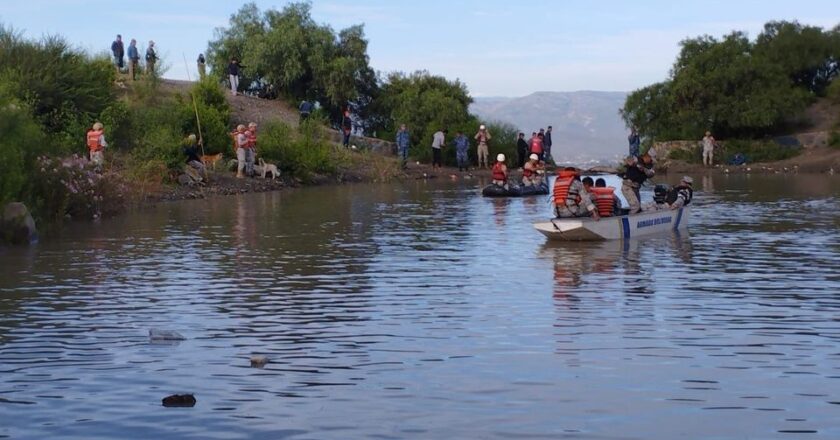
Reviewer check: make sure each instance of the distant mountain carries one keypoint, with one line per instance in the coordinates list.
(587, 126)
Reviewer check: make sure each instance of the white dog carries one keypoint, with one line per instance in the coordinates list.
(269, 168)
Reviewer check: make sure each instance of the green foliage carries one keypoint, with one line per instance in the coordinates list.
(64, 88)
(287, 52)
(736, 88)
(755, 151)
(834, 139)
(833, 91)
(214, 113)
(299, 154)
(21, 142)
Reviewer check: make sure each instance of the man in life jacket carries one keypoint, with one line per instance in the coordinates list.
(531, 172)
(635, 173)
(605, 199)
(500, 172)
(681, 194)
(536, 146)
(571, 198)
(252, 136)
(96, 144)
(660, 193)
(483, 150)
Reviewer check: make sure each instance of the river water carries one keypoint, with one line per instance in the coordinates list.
(421, 310)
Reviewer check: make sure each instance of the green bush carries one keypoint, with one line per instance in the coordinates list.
(689, 155)
(834, 139)
(161, 142)
(755, 151)
(833, 91)
(299, 154)
(21, 142)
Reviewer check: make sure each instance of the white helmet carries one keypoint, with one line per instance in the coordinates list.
(534, 157)
(481, 127)
(500, 157)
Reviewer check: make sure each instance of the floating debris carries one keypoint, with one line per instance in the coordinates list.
(165, 335)
(258, 361)
(179, 400)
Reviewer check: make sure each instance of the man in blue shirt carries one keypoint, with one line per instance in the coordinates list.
(133, 59)
(462, 144)
(402, 139)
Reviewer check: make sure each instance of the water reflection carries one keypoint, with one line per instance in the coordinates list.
(423, 310)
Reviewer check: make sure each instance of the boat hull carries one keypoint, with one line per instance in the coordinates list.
(615, 228)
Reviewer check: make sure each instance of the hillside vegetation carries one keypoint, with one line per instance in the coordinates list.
(739, 88)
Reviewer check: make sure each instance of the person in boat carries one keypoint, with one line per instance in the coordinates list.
(660, 192)
(570, 197)
(531, 172)
(500, 172)
(588, 183)
(636, 172)
(606, 200)
(681, 194)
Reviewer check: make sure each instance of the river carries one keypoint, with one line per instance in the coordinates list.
(422, 310)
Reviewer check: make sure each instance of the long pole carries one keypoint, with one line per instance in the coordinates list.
(195, 106)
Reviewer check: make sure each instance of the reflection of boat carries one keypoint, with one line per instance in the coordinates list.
(493, 190)
(614, 228)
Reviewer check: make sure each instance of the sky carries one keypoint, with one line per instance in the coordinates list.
(496, 47)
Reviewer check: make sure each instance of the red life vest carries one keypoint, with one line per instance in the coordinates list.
(499, 172)
(93, 140)
(603, 200)
(562, 186)
(252, 139)
(536, 146)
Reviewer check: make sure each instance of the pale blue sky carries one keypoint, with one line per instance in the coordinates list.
(498, 48)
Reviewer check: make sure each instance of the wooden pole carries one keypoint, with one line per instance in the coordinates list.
(195, 107)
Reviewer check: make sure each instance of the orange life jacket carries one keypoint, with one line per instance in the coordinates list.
(562, 186)
(252, 139)
(93, 140)
(604, 198)
(498, 172)
(536, 146)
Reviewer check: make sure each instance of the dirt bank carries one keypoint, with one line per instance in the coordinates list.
(812, 160)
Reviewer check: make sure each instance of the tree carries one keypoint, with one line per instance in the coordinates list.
(287, 53)
(735, 87)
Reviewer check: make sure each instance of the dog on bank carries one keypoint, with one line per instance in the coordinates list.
(211, 160)
(266, 168)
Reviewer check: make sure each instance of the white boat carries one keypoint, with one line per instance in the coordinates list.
(614, 228)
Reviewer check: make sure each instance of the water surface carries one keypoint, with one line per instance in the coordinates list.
(421, 310)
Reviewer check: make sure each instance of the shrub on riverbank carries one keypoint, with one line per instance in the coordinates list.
(73, 187)
(753, 151)
(298, 154)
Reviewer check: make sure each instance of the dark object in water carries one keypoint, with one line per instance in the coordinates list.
(182, 400)
(494, 190)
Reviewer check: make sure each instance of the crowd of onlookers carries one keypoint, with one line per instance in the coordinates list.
(132, 67)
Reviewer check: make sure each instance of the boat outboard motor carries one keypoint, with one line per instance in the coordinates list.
(660, 191)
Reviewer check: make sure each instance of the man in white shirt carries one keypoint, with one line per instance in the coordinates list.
(438, 140)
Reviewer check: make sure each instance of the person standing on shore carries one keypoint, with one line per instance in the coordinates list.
(201, 63)
(483, 137)
(151, 59)
(346, 128)
(242, 144)
(233, 75)
(634, 142)
(547, 144)
(402, 140)
(118, 51)
(96, 144)
(536, 146)
(462, 145)
(438, 140)
(521, 150)
(709, 144)
(133, 59)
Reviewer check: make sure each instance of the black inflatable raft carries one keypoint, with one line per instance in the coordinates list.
(493, 190)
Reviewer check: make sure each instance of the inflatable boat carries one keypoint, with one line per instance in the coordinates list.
(493, 190)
